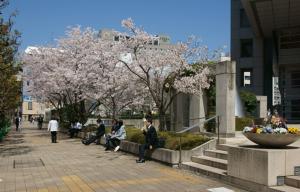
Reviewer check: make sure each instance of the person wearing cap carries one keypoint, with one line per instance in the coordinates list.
(151, 140)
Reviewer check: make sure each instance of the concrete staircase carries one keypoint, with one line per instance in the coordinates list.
(292, 184)
(212, 163)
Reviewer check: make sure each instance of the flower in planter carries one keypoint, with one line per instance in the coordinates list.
(293, 130)
(280, 130)
(259, 130)
(273, 124)
(247, 129)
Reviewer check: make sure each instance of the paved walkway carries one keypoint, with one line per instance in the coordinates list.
(29, 162)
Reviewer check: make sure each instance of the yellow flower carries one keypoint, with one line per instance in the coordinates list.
(259, 130)
(293, 130)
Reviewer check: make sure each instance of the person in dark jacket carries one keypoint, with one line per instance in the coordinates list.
(100, 131)
(40, 121)
(151, 140)
(18, 122)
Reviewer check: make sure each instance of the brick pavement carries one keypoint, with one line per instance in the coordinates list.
(29, 162)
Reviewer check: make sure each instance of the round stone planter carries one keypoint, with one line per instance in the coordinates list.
(272, 140)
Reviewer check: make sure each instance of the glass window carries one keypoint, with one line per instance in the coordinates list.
(295, 79)
(295, 108)
(117, 38)
(29, 105)
(244, 22)
(246, 77)
(246, 47)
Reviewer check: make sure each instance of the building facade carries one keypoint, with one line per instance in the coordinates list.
(265, 43)
(32, 107)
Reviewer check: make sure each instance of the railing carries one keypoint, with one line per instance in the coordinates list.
(196, 126)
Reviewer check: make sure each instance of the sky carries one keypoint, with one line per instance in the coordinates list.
(43, 21)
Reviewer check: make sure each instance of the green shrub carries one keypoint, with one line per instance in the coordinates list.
(188, 140)
(250, 102)
(241, 122)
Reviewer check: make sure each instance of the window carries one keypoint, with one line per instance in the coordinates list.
(246, 48)
(116, 38)
(244, 22)
(155, 42)
(290, 40)
(29, 105)
(246, 77)
(295, 79)
(28, 83)
(295, 108)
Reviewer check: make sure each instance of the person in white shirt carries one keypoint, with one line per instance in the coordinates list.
(53, 127)
(78, 127)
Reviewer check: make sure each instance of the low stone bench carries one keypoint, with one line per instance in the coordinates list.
(161, 154)
(167, 156)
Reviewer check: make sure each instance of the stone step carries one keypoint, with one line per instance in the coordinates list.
(283, 188)
(210, 161)
(216, 154)
(293, 181)
(204, 170)
(222, 147)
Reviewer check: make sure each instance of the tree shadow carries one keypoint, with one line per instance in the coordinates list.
(14, 150)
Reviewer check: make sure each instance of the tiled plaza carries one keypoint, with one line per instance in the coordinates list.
(29, 162)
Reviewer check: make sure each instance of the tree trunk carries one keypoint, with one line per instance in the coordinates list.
(162, 121)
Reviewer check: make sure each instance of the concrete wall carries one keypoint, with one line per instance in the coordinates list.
(262, 166)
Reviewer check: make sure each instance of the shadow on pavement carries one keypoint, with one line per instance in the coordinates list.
(14, 150)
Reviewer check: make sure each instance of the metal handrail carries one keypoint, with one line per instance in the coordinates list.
(194, 126)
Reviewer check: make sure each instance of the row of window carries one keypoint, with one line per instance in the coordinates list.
(247, 78)
(154, 42)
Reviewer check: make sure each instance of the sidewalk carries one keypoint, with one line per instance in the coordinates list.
(29, 162)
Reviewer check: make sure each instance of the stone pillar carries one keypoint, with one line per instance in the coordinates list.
(262, 106)
(225, 97)
(197, 110)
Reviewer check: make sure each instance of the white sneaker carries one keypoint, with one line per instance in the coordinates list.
(117, 148)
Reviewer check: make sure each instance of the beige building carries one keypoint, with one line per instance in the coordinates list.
(32, 109)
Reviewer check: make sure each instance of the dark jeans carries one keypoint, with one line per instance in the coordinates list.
(40, 125)
(17, 127)
(112, 143)
(53, 136)
(99, 135)
(142, 149)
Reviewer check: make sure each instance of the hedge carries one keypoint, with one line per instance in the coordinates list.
(188, 140)
(241, 122)
(5, 127)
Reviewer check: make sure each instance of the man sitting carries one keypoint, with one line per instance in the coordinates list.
(150, 139)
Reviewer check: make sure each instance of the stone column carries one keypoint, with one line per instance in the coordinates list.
(225, 97)
(262, 106)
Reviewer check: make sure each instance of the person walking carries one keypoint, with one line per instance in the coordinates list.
(18, 122)
(151, 140)
(53, 127)
(40, 121)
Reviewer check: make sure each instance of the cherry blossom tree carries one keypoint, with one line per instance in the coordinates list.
(117, 74)
(82, 66)
(167, 70)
